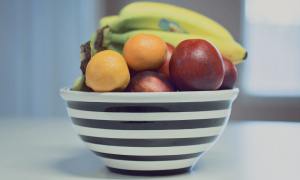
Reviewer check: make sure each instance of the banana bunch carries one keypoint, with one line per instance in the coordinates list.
(171, 23)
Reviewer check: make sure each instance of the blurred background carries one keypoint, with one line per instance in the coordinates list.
(40, 39)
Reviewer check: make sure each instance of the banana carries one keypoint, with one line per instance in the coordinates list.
(78, 83)
(228, 48)
(152, 22)
(92, 44)
(108, 20)
(166, 17)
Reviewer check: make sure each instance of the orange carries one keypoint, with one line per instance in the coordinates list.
(144, 52)
(107, 71)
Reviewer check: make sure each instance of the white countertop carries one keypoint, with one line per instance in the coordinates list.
(42, 149)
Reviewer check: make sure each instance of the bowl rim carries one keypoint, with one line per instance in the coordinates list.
(178, 96)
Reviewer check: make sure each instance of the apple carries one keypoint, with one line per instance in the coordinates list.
(195, 65)
(149, 81)
(164, 68)
(230, 74)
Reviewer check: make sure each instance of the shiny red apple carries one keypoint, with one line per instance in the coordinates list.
(149, 81)
(164, 69)
(230, 74)
(196, 64)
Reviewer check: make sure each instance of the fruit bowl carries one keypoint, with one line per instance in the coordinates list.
(149, 133)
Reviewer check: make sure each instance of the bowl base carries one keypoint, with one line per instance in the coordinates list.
(150, 173)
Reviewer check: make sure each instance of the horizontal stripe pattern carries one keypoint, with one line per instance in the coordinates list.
(148, 142)
(156, 139)
(148, 134)
(147, 158)
(158, 116)
(149, 151)
(149, 125)
(149, 107)
(146, 165)
(150, 172)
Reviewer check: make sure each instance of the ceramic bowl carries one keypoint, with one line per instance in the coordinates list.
(149, 133)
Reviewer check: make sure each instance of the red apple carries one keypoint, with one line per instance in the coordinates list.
(149, 81)
(196, 64)
(164, 69)
(230, 74)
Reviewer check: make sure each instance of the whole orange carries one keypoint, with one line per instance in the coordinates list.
(144, 52)
(107, 71)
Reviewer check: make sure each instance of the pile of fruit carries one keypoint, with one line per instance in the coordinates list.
(157, 47)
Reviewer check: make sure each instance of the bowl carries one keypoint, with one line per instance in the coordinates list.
(149, 133)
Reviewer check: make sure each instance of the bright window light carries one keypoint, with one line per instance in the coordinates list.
(272, 37)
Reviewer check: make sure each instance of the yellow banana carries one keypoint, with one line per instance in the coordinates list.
(167, 17)
(229, 48)
(153, 22)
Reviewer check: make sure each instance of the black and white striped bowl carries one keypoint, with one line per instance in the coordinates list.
(149, 133)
